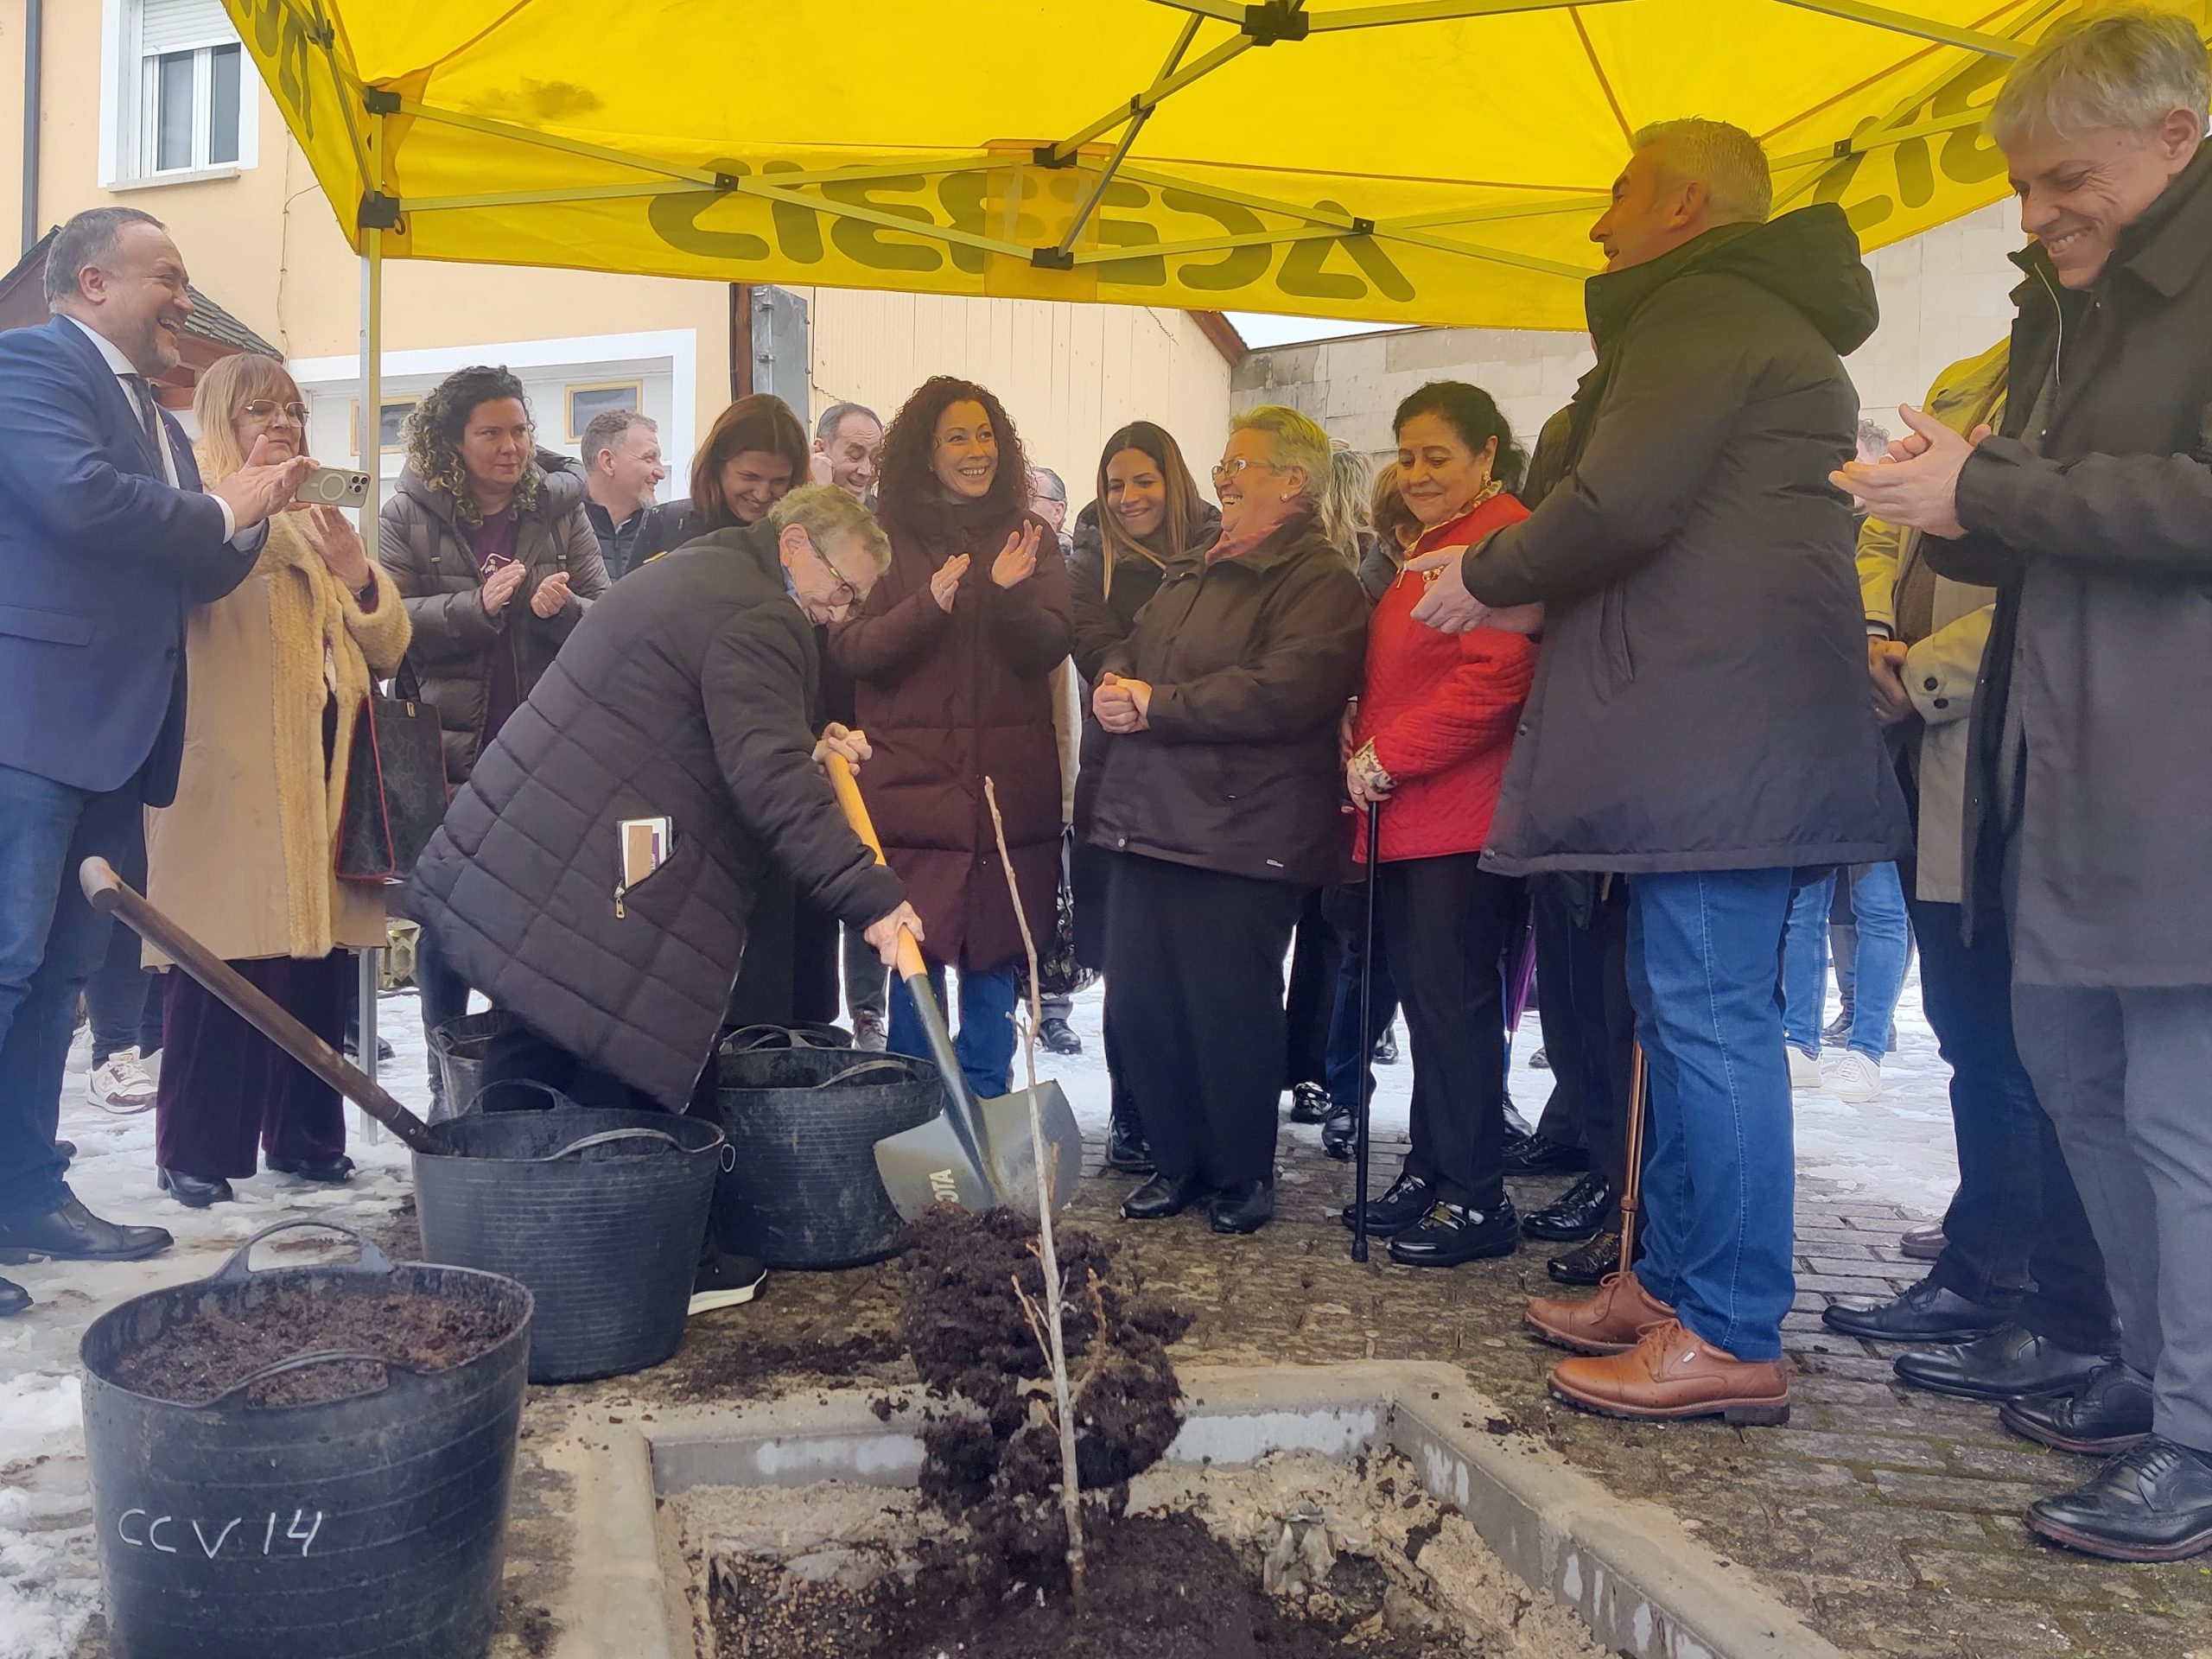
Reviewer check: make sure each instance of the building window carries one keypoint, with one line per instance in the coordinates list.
(186, 98)
(587, 402)
(389, 435)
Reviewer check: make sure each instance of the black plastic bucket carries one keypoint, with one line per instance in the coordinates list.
(746, 1038)
(458, 1048)
(601, 1213)
(372, 1526)
(803, 1190)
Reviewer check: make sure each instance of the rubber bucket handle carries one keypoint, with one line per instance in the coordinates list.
(608, 1135)
(861, 1070)
(235, 1271)
(559, 1100)
(307, 1362)
(746, 1038)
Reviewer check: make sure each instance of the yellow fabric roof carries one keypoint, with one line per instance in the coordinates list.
(1438, 161)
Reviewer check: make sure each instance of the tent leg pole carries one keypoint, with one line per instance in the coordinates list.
(370, 429)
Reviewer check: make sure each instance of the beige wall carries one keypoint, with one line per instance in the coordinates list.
(265, 246)
(1943, 297)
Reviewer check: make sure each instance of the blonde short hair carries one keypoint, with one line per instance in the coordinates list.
(220, 398)
(1296, 440)
(2126, 67)
(825, 512)
(1725, 159)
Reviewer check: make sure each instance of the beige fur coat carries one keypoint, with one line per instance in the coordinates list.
(244, 860)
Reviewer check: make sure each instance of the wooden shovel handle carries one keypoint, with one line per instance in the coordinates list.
(848, 788)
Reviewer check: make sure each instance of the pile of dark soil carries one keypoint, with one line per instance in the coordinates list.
(992, 1456)
(202, 1356)
(737, 1365)
(1159, 1587)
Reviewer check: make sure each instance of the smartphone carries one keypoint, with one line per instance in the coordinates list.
(332, 487)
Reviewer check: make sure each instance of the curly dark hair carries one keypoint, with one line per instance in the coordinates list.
(431, 435)
(908, 489)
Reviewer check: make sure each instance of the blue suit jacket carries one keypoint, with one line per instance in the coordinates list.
(99, 562)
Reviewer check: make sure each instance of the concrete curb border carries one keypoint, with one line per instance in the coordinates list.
(1645, 1585)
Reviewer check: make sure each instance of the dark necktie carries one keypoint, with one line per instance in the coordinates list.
(142, 393)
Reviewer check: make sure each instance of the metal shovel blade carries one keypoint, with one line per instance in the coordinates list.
(927, 1166)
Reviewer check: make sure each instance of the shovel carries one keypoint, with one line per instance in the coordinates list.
(976, 1154)
(112, 896)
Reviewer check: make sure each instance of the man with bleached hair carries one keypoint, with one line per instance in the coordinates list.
(2089, 510)
(1700, 723)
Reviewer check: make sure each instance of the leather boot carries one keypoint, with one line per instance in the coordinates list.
(1406, 1203)
(334, 1172)
(2108, 1413)
(1576, 1213)
(1671, 1373)
(1244, 1208)
(1927, 1312)
(1611, 1322)
(1924, 1243)
(1162, 1196)
(1125, 1150)
(190, 1190)
(1591, 1262)
(73, 1233)
(1340, 1136)
(2013, 1363)
(1452, 1234)
(2153, 1503)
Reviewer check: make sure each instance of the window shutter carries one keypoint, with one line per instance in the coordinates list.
(183, 25)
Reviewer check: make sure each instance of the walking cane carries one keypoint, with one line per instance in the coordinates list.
(1363, 1078)
(1639, 1103)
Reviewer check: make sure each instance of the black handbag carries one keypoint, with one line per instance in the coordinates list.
(395, 783)
(1058, 971)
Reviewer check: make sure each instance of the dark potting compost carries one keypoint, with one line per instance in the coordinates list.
(212, 1349)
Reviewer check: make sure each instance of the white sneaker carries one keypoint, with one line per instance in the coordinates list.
(122, 1084)
(1853, 1079)
(1804, 1069)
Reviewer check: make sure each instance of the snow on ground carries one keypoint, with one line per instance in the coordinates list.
(1898, 1150)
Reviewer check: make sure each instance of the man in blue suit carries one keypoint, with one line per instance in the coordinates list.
(106, 542)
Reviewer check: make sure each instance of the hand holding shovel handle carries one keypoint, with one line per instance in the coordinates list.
(110, 897)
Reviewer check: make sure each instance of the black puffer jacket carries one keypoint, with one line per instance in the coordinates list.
(682, 694)
(1700, 701)
(1251, 661)
(421, 545)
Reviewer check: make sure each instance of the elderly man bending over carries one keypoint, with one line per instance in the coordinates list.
(2090, 511)
(1700, 722)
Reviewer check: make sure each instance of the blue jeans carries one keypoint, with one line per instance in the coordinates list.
(1878, 975)
(51, 939)
(984, 1042)
(1720, 1175)
(1347, 1071)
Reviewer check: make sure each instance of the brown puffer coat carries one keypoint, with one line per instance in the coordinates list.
(422, 545)
(948, 700)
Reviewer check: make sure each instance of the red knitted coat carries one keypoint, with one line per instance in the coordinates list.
(1440, 709)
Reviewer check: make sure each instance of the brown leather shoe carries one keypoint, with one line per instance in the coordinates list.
(1608, 1323)
(1670, 1373)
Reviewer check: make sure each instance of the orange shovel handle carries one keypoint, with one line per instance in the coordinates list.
(848, 788)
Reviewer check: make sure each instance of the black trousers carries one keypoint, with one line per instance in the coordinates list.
(1589, 1023)
(1195, 960)
(226, 1089)
(2016, 1228)
(520, 1055)
(1444, 922)
(1313, 996)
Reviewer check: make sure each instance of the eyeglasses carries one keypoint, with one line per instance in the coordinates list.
(1229, 469)
(844, 596)
(262, 408)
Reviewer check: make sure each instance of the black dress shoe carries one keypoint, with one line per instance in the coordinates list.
(2108, 1413)
(1542, 1155)
(1059, 1036)
(74, 1233)
(1125, 1150)
(2012, 1363)
(1927, 1312)
(2152, 1502)
(1592, 1262)
(1398, 1209)
(14, 1299)
(1924, 1243)
(1452, 1233)
(190, 1190)
(1310, 1103)
(1162, 1196)
(1577, 1213)
(1340, 1136)
(333, 1172)
(1244, 1208)
(1539, 1061)
(1386, 1047)
(64, 1149)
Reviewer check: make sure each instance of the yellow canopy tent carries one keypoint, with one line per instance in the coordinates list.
(1433, 161)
